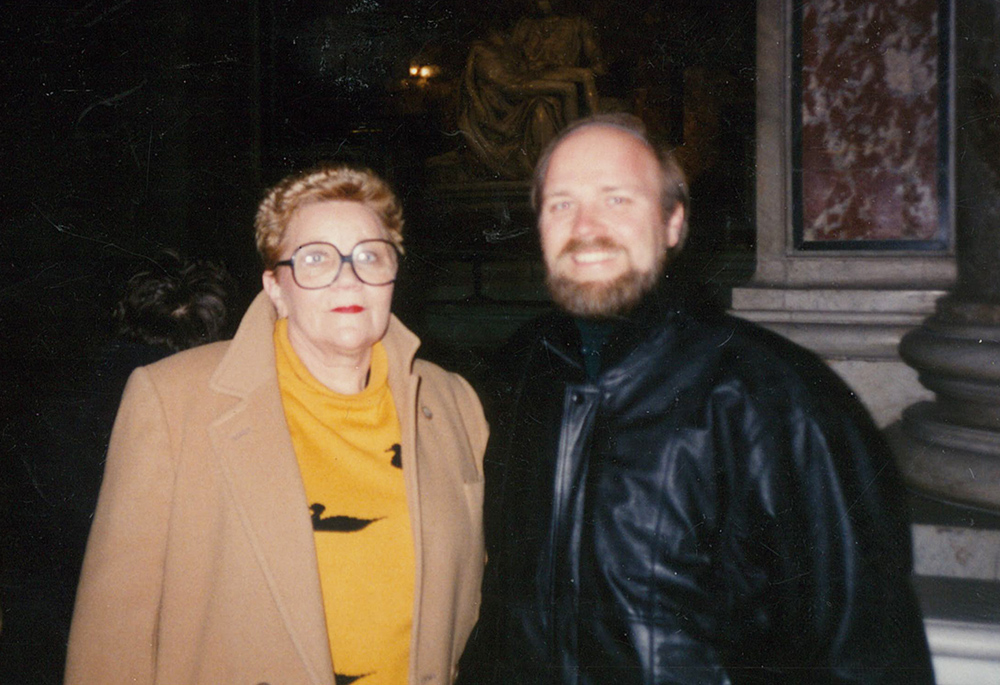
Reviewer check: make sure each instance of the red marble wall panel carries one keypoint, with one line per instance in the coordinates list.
(870, 120)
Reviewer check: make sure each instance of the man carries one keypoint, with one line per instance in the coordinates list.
(677, 497)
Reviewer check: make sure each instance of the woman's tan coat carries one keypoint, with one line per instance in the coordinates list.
(201, 566)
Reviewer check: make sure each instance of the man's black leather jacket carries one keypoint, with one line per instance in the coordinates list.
(714, 507)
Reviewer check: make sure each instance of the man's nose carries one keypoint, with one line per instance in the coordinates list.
(587, 221)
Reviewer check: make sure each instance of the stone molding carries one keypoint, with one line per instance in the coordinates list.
(963, 653)
(838, 323)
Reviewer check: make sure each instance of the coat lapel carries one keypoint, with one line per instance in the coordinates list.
(262, 474)
(401, 347)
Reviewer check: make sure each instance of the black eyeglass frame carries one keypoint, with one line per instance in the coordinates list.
(344, 259)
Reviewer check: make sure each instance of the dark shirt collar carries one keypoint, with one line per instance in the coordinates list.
(593, 335)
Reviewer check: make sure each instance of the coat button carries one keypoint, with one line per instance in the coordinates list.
(427, 412)
(577, 398)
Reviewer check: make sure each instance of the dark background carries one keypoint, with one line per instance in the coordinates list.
(131, 126)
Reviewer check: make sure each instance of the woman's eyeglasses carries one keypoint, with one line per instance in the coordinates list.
(317, 265)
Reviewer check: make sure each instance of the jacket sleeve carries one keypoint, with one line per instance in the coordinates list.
(113, 633)
(828, 524)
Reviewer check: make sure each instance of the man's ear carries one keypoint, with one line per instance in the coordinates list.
(275, 292)
(674, 225)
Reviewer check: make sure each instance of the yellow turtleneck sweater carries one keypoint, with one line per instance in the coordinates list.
(348, 449)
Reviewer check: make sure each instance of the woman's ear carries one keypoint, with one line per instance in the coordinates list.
(275, 292)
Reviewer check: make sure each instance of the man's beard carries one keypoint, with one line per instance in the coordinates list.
(602, 299)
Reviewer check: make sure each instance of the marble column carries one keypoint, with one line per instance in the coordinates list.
(950, 447)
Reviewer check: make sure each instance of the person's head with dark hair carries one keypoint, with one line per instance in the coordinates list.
(176, 303)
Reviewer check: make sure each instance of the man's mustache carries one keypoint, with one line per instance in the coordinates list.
(581, 245)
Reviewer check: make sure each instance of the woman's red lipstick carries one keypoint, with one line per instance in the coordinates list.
(352, 309)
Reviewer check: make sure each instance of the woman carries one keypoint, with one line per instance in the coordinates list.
(301, 504)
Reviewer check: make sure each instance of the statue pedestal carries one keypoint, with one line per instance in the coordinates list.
(474, 264)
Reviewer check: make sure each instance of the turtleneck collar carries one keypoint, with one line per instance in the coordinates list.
(605, 342)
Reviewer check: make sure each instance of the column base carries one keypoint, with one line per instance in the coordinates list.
(954, 463)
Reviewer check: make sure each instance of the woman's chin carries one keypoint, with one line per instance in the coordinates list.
(333, 340)
(348, 344)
